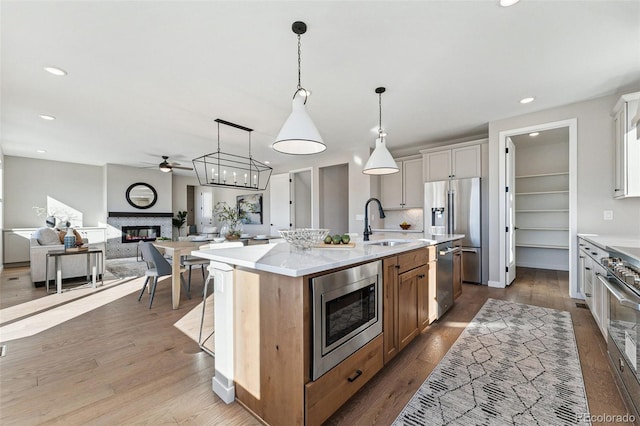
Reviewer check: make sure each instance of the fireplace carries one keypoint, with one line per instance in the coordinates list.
(134, 234)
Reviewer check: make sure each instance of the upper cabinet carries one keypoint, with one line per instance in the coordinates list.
(452, 162)
(626, 178)
(403, 190)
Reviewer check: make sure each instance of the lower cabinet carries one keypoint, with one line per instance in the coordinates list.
(324, 396)
(407, 297)
(596, 295)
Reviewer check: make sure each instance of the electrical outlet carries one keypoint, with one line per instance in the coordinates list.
(608, 215)
(360, 217)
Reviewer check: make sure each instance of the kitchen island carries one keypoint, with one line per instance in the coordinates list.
(263, 324)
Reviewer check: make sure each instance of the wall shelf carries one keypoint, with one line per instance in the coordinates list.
(541, 229)
(542, 192)
(544, 246)
(542, 211)
(543, 175)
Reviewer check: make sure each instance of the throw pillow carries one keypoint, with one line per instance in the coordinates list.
(61, 235)
(46, 237)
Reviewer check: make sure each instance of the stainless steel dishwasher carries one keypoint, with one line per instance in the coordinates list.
(444, 276)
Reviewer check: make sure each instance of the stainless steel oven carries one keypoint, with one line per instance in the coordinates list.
(347, 314)
(623, 343)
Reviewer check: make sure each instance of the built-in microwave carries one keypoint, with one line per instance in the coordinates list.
(346, 312)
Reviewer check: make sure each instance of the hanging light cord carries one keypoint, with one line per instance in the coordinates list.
(380, 115)
(299, 64)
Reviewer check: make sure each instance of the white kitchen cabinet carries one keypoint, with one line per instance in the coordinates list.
(403, 190)
(596, 294)
(626, 148)
(454, 162)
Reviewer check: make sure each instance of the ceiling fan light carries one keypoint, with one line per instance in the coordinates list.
(380, 162)
(165, 168)
(299, 136)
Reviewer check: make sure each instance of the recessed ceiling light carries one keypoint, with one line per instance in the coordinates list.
(507, 3)
(526, 100)
(267, 162)
(55, 71)
(40, 151)
(47, 117)
(534, 134)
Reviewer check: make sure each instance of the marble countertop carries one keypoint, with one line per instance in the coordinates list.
(284, 259)
(629, 245)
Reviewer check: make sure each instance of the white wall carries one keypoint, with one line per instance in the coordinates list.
(28, 183)
(119, 178)
(595, 172)
(359, 184)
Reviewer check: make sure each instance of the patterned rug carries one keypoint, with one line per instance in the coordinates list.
(514, 364)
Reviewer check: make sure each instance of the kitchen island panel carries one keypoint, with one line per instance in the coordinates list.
(272, 345)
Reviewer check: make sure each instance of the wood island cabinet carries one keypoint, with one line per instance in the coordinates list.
(407, 281)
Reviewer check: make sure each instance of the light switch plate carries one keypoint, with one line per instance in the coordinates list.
(608, 215)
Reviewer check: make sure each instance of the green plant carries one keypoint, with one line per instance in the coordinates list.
(230, 218)
(179, 220)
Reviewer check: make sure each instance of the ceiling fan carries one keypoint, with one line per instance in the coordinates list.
(166, 166)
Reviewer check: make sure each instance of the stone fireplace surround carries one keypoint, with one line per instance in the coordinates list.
(116, 220)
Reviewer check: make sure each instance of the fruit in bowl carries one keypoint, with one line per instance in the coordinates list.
(405, 225)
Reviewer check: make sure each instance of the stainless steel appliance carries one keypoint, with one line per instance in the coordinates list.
(623, 342)
(347, 314)
(444, 276)
(453, 207)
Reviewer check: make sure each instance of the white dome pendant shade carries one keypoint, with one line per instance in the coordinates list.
(298, 134)
(380, 162)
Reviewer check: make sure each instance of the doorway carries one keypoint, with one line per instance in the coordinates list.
(334, 198)
(538, 212)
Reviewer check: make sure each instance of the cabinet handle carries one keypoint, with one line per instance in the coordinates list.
(421, 276)
(587, 295)
(353, 378)
(616, 190)
(581, 257)
(397, 266)
(587, 268)
(594, 253)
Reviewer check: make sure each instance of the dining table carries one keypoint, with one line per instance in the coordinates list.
(176, 249)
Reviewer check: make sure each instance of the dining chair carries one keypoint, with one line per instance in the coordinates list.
(191, 261)
(201, 342)
(157, 266)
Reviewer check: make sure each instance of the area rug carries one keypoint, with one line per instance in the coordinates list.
(127, 267)
(514, 364)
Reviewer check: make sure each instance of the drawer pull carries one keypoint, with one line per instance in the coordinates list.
(587, 295)
(421, 276)
(353, 378)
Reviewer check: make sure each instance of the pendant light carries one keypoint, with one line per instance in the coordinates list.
(380, 162)
(298, 134)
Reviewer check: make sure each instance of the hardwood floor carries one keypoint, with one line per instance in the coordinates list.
(125, 364)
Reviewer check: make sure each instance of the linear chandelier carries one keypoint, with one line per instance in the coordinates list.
(224, 170)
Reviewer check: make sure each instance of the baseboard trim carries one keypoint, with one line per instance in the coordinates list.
(220, 387)
(543, 266)
(495, 284)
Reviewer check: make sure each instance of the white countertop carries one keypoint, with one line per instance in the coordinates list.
(629, 245)
(284, 259)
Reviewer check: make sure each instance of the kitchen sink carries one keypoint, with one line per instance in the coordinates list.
(388, 243)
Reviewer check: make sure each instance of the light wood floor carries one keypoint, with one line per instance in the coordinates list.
(125, 364)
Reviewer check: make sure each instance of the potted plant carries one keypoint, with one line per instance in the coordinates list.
(179, 220)
(230, 220)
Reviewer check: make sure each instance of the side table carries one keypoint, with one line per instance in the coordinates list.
(91, 266)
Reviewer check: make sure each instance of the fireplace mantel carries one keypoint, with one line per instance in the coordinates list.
(139, 214)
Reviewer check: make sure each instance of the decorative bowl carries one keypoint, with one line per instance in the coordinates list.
(219, 239)
(304, 238)
(405, 226)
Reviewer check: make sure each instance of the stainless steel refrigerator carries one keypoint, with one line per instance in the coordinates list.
(453, 207)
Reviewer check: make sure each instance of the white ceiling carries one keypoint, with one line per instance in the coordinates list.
(148, 78)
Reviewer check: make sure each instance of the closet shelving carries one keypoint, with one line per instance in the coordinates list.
(542, 211)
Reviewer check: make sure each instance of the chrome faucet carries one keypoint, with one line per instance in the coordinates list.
(367, 228)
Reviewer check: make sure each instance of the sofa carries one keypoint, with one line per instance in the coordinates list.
(72, 266)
